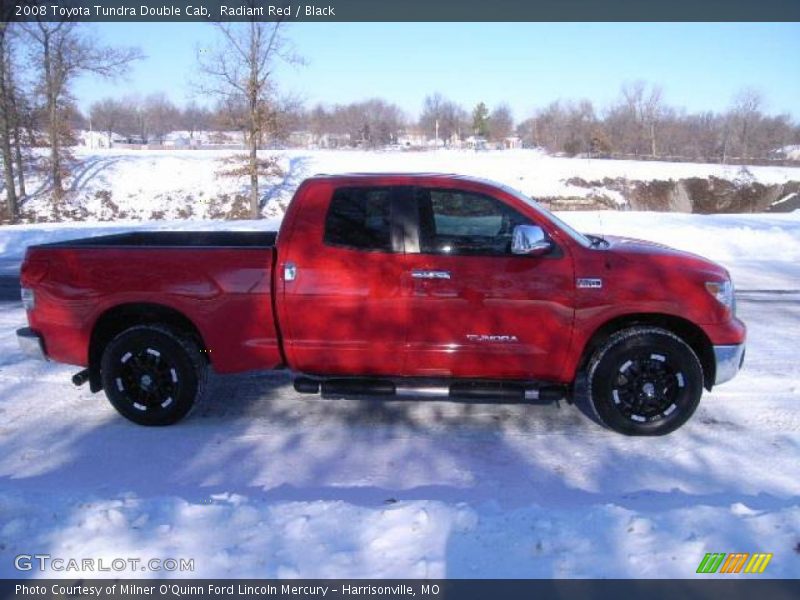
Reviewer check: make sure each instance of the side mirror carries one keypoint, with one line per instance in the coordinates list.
(530, 240)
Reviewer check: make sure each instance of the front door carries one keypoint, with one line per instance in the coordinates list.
(475, 309)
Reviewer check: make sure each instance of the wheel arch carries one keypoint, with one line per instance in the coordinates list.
(117, 319)
(689, 332)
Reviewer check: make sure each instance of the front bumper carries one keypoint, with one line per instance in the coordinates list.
(31, 343)
(729, 360)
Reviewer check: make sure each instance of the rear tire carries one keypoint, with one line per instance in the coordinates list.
(644, 381)
(152, 375)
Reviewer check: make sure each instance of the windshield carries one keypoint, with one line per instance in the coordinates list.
(575, 235)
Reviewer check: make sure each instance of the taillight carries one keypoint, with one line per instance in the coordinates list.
(28, 298)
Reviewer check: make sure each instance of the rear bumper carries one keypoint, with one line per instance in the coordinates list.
(729, 360)
(31, 343)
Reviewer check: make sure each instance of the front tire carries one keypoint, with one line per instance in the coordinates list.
(645, 381)
(152, 375)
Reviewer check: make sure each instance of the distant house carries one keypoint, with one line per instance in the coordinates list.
(99, 139)
(220, 139)
(301, 139)
(455, 141)
(333, 140)
(512, 142)
(476, 142)
(790, 152)
(412, 138)
(179, 139)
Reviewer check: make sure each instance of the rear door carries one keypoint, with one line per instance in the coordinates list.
(343, 310)
(475, 309)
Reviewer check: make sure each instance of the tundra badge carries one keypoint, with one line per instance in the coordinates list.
(475, 337)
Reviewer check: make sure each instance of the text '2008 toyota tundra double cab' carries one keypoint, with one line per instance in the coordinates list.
(391, 284)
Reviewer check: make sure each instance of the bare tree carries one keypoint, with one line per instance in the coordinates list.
(451, 118)
(319, 121)
(652, 113)
(61, 51)
(548, 128)
(231, 113)
(744, 116)
(288, 116)
(501, 123)
(375, 122)
(527, 131)
(20, 109)
(161, 116)
(243, 67)
(195, 118)
(7, 119)
(633, 123)
(15, 113)
(108, 115)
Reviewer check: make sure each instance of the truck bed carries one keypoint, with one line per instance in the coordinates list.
(172, 239)
(220, 281)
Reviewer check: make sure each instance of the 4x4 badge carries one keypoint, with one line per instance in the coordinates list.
(589, 283)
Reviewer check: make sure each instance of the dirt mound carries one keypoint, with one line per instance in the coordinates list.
(695, 194)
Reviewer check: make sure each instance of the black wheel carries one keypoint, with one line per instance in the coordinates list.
(645, 381)
(151, 375)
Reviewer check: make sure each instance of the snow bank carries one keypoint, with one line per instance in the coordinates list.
(141, 184)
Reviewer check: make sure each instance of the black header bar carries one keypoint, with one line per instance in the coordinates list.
(402, 10)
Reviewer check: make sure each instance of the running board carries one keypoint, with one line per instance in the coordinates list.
(456, 390)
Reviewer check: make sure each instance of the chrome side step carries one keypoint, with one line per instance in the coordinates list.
(456, 390)
(422, 391)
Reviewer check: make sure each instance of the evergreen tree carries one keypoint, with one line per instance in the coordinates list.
(480, 120)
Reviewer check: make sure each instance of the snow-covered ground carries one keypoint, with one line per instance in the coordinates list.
(165, 184)
(262, 482)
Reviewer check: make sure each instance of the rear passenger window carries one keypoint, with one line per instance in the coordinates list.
(360, 218)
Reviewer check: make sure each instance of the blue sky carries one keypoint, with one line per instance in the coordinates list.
(699, 65)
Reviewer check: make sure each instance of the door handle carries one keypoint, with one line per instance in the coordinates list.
(426, 274)
(289, 271)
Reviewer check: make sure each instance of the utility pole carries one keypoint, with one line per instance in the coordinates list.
(437, 134)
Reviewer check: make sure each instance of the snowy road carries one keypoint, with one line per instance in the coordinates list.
(262, 482)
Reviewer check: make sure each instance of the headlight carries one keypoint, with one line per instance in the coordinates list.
(722, 291)
(28, 300)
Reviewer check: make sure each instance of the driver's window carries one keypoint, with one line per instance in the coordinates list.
(459, 222)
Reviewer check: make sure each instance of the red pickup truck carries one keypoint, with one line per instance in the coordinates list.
(418, 285)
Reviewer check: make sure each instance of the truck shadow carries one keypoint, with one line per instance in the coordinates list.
(269, 396)
(89, 169)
